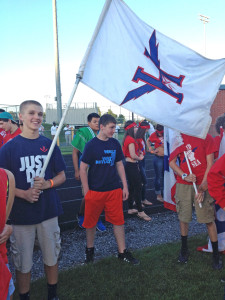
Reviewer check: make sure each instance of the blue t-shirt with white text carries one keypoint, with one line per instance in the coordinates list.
(101, 156)
(25, 159)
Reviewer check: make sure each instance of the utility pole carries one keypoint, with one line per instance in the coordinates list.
(57, 71)
(205, 20)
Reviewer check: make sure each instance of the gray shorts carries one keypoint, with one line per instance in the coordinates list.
(185, 198)
(22, 244)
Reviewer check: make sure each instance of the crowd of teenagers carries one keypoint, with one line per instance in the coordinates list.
(110, 174)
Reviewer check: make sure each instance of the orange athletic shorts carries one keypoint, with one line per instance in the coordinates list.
(111, 202)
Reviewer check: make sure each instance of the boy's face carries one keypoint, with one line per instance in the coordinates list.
(108, 130)
(94, 124)
(6, 125)
(31, 116)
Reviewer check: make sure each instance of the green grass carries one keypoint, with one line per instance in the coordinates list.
(158, 276)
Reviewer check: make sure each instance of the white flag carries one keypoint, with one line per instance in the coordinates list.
(172, 140)
(144, 71)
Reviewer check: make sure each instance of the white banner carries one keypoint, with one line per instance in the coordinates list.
(146, 72)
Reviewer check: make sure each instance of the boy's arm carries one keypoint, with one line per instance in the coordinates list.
(204, 185)
(149, 147)
(7, 230)
(32, 194)
(84, 177)
(76, 163)
(133, 155)
(11, 193)
(179, 172)
(41, 184)
(122, 175)
(216, 180)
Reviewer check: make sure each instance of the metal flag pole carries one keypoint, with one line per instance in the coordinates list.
(57, 70)
(194, 184)
(60, 126)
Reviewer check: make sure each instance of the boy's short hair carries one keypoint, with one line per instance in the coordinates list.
(220, 122)
(28, 102)
(159, 127)
(91, 116)
(106, 119)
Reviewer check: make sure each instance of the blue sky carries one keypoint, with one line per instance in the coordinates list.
(27, 44)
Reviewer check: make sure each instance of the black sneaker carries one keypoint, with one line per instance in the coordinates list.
(128, 257)
(183, 257)
(217, 262)
(89, 255)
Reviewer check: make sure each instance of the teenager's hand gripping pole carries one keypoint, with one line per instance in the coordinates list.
(189, 168)
(60, 126)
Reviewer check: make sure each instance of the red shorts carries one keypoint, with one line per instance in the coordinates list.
(110, 201)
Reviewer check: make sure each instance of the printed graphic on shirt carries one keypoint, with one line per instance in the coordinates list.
(110, 160)
(32, 165)
(191, 156)
(161, 139)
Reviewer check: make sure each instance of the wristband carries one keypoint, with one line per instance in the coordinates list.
(52, 183)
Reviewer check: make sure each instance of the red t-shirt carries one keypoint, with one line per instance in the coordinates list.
(129, 140)
(141, 145)
(216, 180)
(2, 135)
(157, 140)
(10, 136)
(197, 149)
(3, 195)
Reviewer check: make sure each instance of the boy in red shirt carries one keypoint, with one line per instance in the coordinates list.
(158, 140)
(10, 126)
(200, 154)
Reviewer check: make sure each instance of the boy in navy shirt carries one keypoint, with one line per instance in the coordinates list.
(37, 206)
(102, 158)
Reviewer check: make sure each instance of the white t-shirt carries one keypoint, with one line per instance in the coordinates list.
(53, 129)
(67, 130)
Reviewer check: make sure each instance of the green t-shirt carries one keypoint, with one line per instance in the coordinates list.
(83, 135)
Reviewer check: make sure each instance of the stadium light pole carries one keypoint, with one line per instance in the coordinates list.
(205, 20)
(57, 71)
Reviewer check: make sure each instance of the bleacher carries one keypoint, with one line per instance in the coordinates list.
(71, 195)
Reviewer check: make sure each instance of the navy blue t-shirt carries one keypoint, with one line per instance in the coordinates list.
(101, 156)
(25, 159)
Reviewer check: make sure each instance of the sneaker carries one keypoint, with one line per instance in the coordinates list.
(89, 255)
(128, 257)
(80, 221)
(217, 263)
(183, 257)
(100, 226)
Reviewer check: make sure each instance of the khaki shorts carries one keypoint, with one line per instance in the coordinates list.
(22, 244)
(185, 197)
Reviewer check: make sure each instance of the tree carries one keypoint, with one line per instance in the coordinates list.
(99, 111)
(110, 112)
(121, 119)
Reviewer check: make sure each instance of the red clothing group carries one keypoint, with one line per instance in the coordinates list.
(10, 136)
(157, 140)
(197, 150)
(129, 140)
(5, 275)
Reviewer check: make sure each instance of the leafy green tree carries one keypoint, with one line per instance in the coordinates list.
(121, 119)
(110, 112)
(99, 111)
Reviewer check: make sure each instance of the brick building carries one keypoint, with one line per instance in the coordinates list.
(217, 109)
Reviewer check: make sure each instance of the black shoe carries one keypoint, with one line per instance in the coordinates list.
(89, 255)
(128, 257)
(217, 262)
(183, 257)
